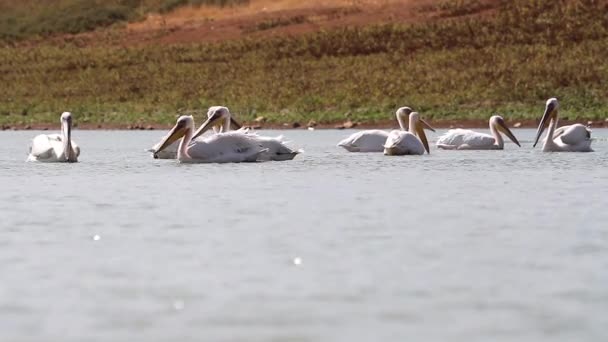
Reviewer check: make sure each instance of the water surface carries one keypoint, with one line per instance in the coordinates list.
(333, 246)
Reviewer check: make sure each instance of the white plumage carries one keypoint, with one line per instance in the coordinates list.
(276, 148)
(229, 147)
(458, 137)
(403, 143)
(365, 141)
(373, 140)
(466, 139)
(55, 147)
(572, 138)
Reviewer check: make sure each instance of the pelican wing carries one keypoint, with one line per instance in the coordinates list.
(365, 141)
(573, 134)
(45, 147)
(403, 143)
(229, 147)
(458, 137)
(276, 147)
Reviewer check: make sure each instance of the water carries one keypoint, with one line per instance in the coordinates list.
(333, 246)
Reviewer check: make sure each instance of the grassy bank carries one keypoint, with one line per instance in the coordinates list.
(451, 69)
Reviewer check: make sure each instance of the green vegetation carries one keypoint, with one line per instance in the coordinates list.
(30, 18)
(450, 69)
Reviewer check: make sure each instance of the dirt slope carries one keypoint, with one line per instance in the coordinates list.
(266, 18)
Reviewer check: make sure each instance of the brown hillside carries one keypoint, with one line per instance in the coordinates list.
(265, 18)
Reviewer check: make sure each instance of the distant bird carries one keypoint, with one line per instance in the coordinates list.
(56, 147)
(276, 147)
(372, 140)
(229, 147)
(572, 138)
(401, 142)
(465, 139)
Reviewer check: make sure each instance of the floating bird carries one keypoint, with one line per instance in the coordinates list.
(406, 142)
(56, 147)
(170, 152)
(372, 140)
(572, 138)
(277, 149)
(229, 147)
(465, 139)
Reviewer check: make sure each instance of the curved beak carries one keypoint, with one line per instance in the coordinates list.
(426, 125)
(178, 131)
(420, 126)
(543, 124)
(207, 125)
(503, 128)
(67, 127)
(235, 124)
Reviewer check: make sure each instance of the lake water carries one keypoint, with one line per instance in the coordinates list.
(332, 246)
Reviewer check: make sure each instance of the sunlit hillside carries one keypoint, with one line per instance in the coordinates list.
(293, 61)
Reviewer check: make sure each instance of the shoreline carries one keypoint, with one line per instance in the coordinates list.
(388, 124)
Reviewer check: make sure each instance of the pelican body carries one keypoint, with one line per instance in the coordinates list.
(406, 142)
(229, 147)
(465, 139)
(372, 140)
(276, 147)
(572, 138)
(56, 147)
(170, 152)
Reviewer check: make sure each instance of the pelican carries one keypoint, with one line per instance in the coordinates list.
(229, 147)
(56, 147)
(465, 139)
(170, 152)
(572, 138)
(372, 140)
(276, 147)
(405, 142)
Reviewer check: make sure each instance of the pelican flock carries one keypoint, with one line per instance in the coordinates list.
(170, 152)
(229, 147)
(465, 139)
(56, 147)
(572, 138)
(220, 119)
(243, 145)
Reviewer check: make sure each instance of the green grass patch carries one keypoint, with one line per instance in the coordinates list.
(29, 18)
(453, 69)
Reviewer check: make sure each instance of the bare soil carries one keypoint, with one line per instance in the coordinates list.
(265, 18)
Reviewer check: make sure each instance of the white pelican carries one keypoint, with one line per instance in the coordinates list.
(372, 140)
(56, 147)
(465, 139)
(572, 138)
(276, 147)
(229, 147)
(170, 152)
(405, 142)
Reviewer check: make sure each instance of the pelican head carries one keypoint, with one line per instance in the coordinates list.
(402, 114)
(404, 111)
(498, 123)
(184, 124)
(550, 113)
(418, 126)
(66, 130)
(217, 117)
